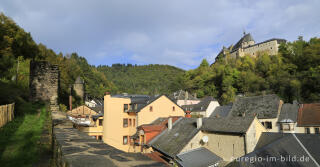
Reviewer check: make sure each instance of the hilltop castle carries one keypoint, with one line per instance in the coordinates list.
(247, 46)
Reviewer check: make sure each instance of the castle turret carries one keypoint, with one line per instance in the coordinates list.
(78, 87)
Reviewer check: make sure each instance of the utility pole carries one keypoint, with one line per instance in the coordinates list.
(70, 98)
(17, 72)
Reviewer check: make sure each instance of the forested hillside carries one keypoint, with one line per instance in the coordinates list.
(146, 79)
(293, 74)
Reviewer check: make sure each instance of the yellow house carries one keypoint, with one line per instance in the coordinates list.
(123, 113)
(87, 120)
(95, 129)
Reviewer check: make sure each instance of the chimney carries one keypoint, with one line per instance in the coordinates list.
(199, 123)
(169, 123)
(186, 95)
(195, 95)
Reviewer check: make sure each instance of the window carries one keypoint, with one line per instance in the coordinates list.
(285, 127)
(134, 123)
(125, 140)
(99, 137)
(268, 125)
(173, 108)
(100, 122)
(150, 109)
(125, 122)
(316, 131)
(130, 122)
(307, 130)
(125, 107)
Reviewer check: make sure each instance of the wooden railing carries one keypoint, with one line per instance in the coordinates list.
(6, 114)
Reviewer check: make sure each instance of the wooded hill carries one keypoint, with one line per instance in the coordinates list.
(147, 79)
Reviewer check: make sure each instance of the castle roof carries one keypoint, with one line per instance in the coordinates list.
(245, 38)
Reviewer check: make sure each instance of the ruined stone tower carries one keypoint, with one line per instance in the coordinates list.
(44, 83)
(78, 87)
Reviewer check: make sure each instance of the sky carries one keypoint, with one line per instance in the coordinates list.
(174, 32)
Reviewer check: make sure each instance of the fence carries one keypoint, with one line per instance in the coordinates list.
(6, 114)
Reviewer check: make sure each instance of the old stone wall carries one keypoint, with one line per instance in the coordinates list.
(44, 82)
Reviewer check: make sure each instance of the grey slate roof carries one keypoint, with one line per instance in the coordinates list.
(237, 125)
(171, 142)
(201, 106)
(265, 106)
(289, 112)
(200, 157)
(245, 38)
(285, 145)
(221, 111)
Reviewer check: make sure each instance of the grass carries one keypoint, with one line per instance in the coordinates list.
(20, 138)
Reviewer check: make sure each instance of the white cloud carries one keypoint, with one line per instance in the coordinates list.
(180, 32)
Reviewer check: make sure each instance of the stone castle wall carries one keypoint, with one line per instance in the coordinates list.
(270, 47)
(44, 82)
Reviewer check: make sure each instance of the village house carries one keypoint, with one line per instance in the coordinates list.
(204, 108)
(94, 102)
(225, 137)
(183, 135)
(124, 113)
(184, 98)
(266, 107)
(231, 137)
(145, 133)
(309, 119)
(282, 149)
(88, 120)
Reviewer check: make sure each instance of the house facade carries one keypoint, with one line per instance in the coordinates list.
(204, 108)
(309, 118)
(88, 120)
(124, 113)
(184, 98)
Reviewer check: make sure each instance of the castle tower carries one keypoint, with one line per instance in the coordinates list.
(78, 87)
(44, 83)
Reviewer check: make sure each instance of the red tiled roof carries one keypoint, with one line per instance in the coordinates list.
(156, 156)
(152, 130)
(149, 128)
(309, 115)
